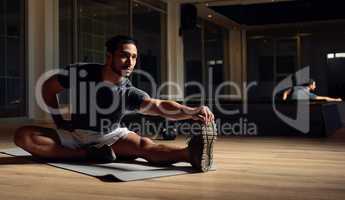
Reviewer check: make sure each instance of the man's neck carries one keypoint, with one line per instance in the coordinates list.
(110, 76)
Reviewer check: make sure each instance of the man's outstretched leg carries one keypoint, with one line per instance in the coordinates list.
(136, 146)
(199, 151)
(45, 143)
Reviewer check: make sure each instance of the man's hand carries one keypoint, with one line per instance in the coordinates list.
(333, 99)
(204, 114)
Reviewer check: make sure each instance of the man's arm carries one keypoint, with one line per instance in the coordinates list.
(175, 111)
(327, 98)
(50, 89)
(286, 94)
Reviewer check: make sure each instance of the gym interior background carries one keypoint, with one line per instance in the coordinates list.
(241, 41)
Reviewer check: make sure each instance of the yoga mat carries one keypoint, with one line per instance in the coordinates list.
(138, 169)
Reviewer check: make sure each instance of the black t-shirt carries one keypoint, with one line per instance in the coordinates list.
(98, 105)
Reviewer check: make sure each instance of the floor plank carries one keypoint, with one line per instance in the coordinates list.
(247, 168)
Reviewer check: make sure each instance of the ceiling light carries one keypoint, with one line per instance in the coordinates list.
(340, 55)
(330, 55)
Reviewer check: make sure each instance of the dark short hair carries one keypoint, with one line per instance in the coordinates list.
(113, 43)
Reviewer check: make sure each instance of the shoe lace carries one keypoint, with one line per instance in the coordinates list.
(190, 136)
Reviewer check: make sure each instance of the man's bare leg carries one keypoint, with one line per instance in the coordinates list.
(44, 142)
(136, 146)
(199, 152)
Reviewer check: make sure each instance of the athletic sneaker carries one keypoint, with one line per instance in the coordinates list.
(103, 154)
(200, 147)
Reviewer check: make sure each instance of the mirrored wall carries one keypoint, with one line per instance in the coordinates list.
(12, 58)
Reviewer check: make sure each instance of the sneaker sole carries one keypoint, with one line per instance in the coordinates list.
(209, 135)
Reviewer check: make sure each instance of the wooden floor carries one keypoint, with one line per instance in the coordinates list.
(247, 168)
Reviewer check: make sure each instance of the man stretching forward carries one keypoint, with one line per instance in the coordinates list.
(107, 87)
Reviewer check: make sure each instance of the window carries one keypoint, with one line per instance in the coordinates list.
(12, 59)
(193, 60)
(99, 21)
(86, 25)
(149, 28)
(271, 59)
(286, 58)
(204, 49)
(215, 38)
(66, 39)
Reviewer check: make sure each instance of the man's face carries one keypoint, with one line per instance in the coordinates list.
(124, 59)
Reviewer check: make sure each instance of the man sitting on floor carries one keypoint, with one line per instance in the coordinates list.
(107, 87)
(305, 92)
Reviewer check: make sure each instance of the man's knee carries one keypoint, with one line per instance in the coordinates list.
(146, 143)
(21, 135)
